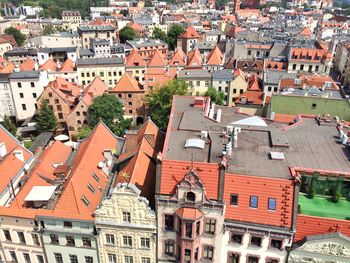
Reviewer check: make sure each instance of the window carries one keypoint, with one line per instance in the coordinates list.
(276, 243)
(26, 258)
(130, 111)
(236, 238)
(210, 226)
(274, 260)
(58, 257)
(73, 258)
(126, 217)
(313, 106)
(208, 252)
(7, 235)
(302, 67)
(35, 238)
(95, 177)
(34, 95)
(54, 238)
(317, 68)
(89, 259)
(67, 224)
(253, 259)
(19, 85)
(187, 255)
(130, 103)
(70, 241)
(169, 222)
(60, 116)
(249, 52)
(86, 242)
(91, 188)
(129, 95)
(145, 242)
(24, 107)
(234, 199)
(145, 260)
(255, 241)
(127, 241)
(169, 247)
(21, 95)
(272, 204)
(21, 237)
(188, 230)
(198, 227)
(191, 197)
(14, 256)
(294, 66)
(110, 239)
(59, 107)
(85, 200)
(128, 259)
(253, 202)
(40, 258)
(57, 101)
(233, 258)
(112, 258)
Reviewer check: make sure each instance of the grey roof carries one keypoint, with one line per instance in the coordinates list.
(83, 52)
(57, 49)
(225, 74)
(41, 141)
(68, 34)
(273, 77)
(4, 76)
(145, 42)
(21, 51)
(99, 61)
(25, 75)
(214, 32)
(194, 74)
(308, 145)
(278, 50)
(96, 28)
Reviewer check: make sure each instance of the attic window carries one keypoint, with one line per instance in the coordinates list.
(85, 200)
(190, 197)
(91, 188)
(254, 65)
(96, 177)
(277, 155)
(269, 66)
(245, 65)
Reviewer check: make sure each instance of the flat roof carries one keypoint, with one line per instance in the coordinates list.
(308, 145)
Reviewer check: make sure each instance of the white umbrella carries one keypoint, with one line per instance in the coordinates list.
(61, 137)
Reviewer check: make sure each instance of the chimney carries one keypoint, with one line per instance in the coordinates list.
(158, 172)
(235, 136)
(36, 66)
(222, 172)
(198, 102)
(218, 115)
(3, 150)
(19, 155)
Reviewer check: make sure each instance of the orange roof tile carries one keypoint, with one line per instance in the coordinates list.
(215, 57)
(49, 65)
(189, 213)
(27, 65)
(305, 32)
(97, 87)
(194, 58)
(190, 33)
(127, 84)
(254, 84)
(309, 81)
(135, 60)
(239, 72)
(157, 60)
(178, 58)
(67, 66)
(8, 68)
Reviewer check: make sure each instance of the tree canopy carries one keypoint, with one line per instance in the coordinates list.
(127, 33)
(160, 34)
(9, 125)
(174, 32)
(83, 132)
(17, 35)
(47, 120)
(159, 101)
(215, 96)
(110, 110)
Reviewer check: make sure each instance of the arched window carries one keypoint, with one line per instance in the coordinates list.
(191, 197)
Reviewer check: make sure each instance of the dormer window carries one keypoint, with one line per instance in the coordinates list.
(190, 197)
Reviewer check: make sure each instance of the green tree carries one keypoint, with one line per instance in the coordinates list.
(159, 101)
(9, 125)
(148, 3)
(48, 30)
(17, 35)
(174, 33)
(220, 3)
(215, 96)
(110, 110)
(159, 34)
(127, 33)
(83, 132)
(124, 12)
(47, 120)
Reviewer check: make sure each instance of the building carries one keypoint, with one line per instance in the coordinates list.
(26, 88)
(88, 32)
(221, 81)
(58, 40)
(71, 19)
(189, 39)
(198, 80)
(7, 107)
(147, 47)
(110, 70)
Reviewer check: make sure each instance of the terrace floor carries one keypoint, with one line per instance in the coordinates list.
(324, 207)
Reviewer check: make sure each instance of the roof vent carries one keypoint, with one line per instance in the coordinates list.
(19, 155)
(3, 150)
(204, 134)
(195, 143)
(277, 155)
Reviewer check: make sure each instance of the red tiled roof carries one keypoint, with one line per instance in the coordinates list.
(67, 66)
(97, 87)
(49, 65)
(157, 60)
(178, 58)
(312, 225)
(254, 84)
(275, 65)
(127, 84)
(305, 32)
(8, 38)
(189, 213)
(284, 118)
(215, 57)
(190, 33)
(134, 59)
(194, 58)
(27, 65)
(309, 81)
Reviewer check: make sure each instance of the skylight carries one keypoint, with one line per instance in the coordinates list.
(195, 143)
